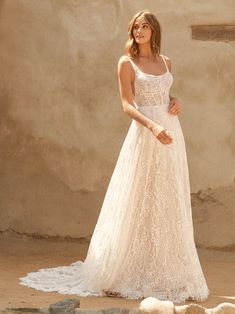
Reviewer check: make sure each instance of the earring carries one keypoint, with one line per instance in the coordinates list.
(153, 43)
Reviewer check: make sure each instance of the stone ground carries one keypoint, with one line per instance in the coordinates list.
(21, 254)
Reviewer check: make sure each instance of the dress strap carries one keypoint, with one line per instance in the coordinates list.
(133, 63)
(165, 63)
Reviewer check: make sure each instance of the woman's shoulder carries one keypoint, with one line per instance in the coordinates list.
(124, 59)
(124, 63)
(167, 59)
(165, 56)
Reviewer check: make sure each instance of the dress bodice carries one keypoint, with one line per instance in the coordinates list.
(150, 89)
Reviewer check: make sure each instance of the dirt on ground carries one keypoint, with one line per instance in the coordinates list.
(22, 254)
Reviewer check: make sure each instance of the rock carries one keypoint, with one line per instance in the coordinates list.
(24, 310)
(222, 308)
(190, 309)
(148, 305)
(113, 310)
(180, 309)
(67, 306)
(195, 309)
(155, 306)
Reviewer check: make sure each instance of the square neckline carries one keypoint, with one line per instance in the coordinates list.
(167, 70)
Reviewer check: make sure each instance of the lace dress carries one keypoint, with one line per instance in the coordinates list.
(143, 242)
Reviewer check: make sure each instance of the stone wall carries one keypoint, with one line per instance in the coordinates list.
(62, 124)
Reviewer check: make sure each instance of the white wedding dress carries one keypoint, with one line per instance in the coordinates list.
(143, 242)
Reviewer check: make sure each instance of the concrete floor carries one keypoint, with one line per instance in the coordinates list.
(21, 254)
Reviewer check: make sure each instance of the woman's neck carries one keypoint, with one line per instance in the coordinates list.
(145, 52)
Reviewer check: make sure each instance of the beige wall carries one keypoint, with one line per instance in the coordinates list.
(62, 124)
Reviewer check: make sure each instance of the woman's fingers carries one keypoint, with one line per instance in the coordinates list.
(174, 110)
(174, 106)
(165, 137)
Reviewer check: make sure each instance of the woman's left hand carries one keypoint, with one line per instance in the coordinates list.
(174, 106)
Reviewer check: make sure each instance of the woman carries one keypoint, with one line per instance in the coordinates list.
(143, 242)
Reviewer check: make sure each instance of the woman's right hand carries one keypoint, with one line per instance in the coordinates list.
(161, 134)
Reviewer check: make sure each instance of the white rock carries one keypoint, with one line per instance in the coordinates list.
(222, 308)
(155, 306)
(181, 309)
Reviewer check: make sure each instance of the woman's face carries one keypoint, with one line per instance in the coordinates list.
(141, 30)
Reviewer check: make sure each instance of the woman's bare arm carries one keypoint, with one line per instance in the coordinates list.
(125, 78)
(168, 61)
(175, 104)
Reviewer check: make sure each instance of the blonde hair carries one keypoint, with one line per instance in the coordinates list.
(131, 47)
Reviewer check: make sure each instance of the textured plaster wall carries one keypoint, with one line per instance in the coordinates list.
(62, 124)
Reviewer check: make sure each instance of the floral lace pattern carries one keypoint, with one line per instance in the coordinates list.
(143, 242)
(150, 89)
